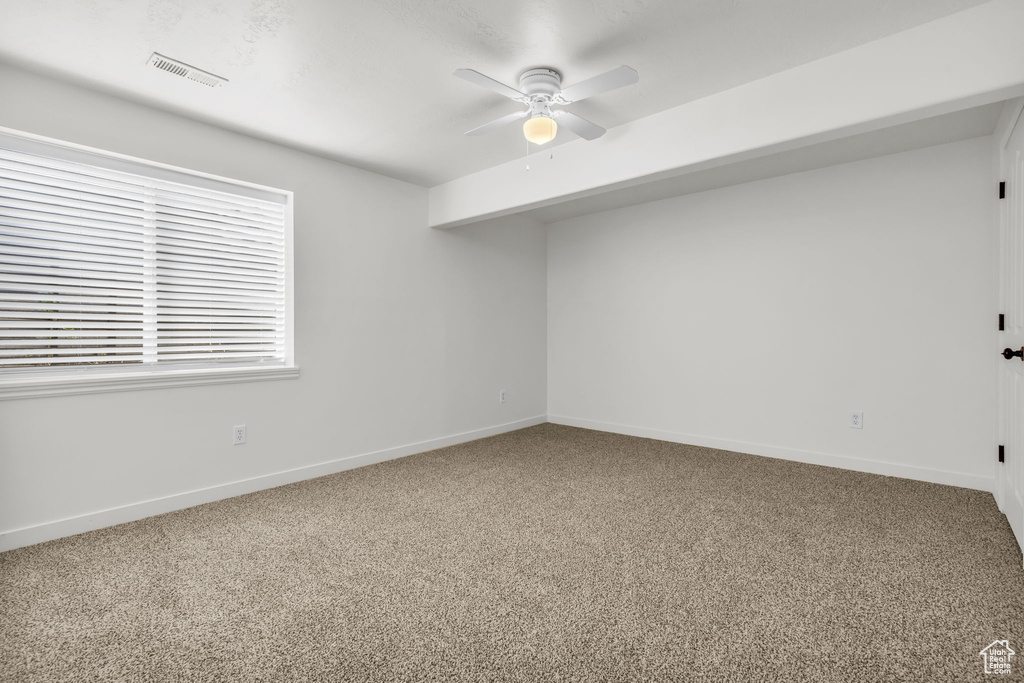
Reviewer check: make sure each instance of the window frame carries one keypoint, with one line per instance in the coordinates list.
(76, 379)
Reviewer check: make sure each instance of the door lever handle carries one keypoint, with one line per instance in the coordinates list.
(1010, 353)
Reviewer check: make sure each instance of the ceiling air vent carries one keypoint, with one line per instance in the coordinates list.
(185, 71)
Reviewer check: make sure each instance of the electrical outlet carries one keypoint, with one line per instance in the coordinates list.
(502, 396)
(856, 420)
(238, 434)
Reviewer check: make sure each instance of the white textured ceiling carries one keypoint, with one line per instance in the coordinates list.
(369, 83)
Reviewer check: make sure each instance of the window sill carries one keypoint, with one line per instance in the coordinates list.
(69, 386)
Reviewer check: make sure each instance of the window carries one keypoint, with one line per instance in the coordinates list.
(116, 273)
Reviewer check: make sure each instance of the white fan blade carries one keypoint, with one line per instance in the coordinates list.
(488, 82)
(585, 129)
(497, 123)
(616, 78)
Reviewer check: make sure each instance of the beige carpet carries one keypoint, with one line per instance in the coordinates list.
(547, 554)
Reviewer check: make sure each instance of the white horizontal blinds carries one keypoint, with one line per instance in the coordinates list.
(102, 267)
(71, 264)
(219, 276)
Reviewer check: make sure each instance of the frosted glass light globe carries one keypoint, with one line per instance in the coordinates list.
(540, 129)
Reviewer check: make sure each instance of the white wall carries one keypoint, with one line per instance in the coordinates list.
(404, 335)
(753, 317)
(756, 317)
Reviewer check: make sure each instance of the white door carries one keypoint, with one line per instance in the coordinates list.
(1010, 473)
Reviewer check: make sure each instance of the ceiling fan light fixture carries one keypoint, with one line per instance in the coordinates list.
(540, 129)
(541, 88)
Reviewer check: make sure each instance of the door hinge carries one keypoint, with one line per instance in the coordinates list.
(1002, 453)
(1002, 189)
(1002, 322)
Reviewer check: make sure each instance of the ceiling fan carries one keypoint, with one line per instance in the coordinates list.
(539, 90)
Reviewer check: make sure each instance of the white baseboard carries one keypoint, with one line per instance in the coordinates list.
(968, 481)
(49, 531)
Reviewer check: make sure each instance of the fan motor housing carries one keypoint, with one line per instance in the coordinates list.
(540, 81)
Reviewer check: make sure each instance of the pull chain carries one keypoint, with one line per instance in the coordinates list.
(551, 155)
